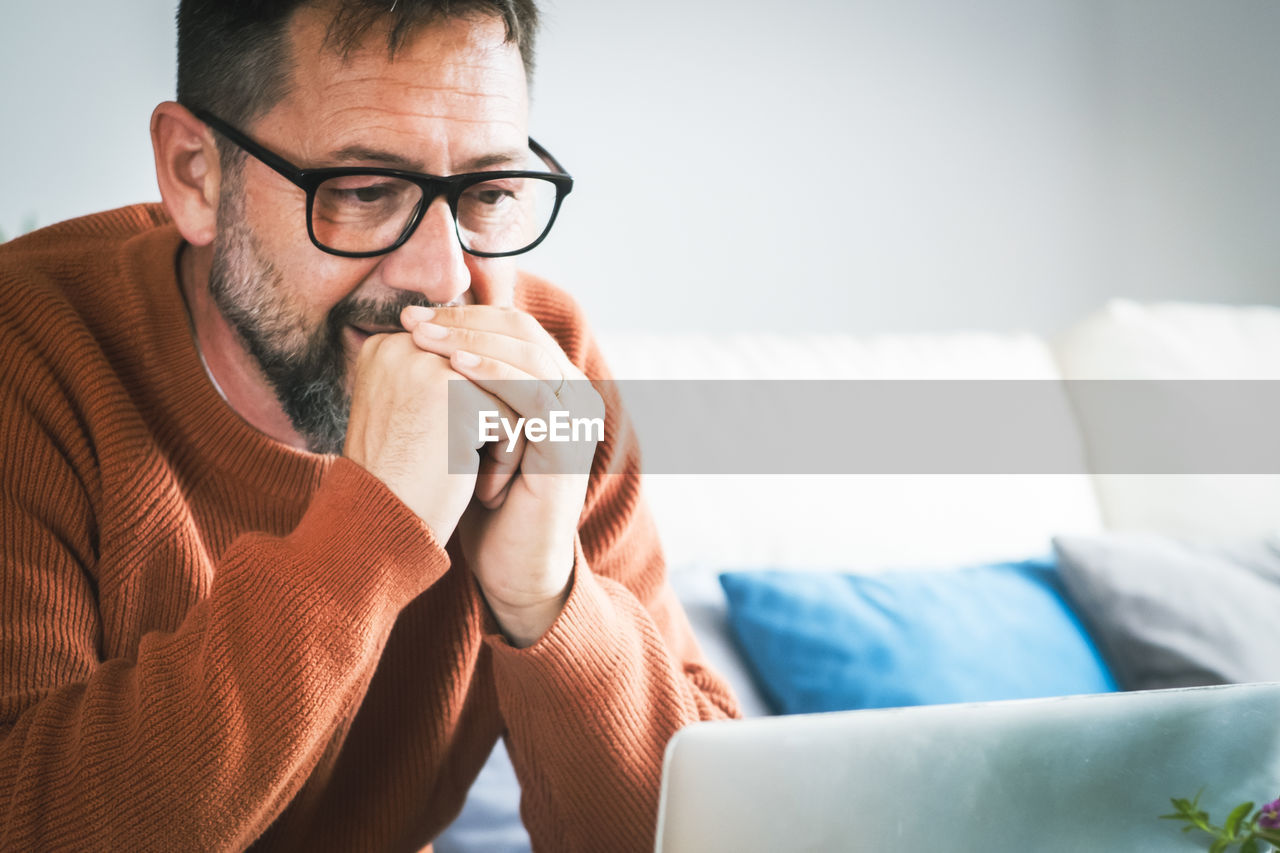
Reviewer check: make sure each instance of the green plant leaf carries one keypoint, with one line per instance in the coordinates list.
(1238, 814)
(1219, 845)
(1250, 846)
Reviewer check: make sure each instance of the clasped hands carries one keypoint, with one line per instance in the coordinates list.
(515, 508)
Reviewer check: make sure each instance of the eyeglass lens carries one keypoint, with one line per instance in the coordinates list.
(369, 213)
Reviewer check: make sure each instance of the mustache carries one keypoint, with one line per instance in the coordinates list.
(364, 312)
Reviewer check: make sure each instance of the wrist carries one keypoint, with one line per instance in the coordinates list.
(523, 624)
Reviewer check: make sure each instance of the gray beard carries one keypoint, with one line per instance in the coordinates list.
(307, 369)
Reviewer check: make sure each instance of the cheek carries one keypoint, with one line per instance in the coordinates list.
(313, 281)
(325, 280)
(314, 285)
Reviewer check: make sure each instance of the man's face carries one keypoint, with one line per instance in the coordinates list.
(454, 96)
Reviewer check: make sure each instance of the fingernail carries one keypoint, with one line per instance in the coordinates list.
(466, 359)
(421, 312)
(431, 330)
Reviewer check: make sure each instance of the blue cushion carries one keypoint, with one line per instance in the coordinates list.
(828, 642)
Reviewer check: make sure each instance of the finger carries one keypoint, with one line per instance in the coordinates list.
(528, 396)
(369, 349)
(531, 359)
(579, 404)
(483, 318)
(501, 460)
(501, 497)
(497, 470)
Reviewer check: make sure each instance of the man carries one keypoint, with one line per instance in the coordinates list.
(246, 598)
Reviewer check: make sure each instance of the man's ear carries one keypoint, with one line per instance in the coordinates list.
(188, 171)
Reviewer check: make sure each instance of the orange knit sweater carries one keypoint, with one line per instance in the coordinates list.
(208, 639)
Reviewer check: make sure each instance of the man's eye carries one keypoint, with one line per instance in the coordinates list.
(367, 194)
(358, 192)
(489, 195)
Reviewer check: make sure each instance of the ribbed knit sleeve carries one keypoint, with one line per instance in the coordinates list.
(589, 708)
(203, 737)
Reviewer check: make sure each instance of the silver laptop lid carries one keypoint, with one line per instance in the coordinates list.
(1085, 774)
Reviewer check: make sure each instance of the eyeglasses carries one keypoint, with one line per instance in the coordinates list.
(362, 211)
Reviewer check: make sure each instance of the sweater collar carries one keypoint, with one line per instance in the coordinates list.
(204, 433)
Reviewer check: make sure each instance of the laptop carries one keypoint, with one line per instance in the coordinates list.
(1085, 774)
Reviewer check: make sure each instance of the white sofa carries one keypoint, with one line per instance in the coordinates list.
(870, 524)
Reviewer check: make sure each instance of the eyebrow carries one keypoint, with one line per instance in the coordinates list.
(353, 153)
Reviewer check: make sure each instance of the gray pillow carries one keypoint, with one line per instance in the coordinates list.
(1167, 613)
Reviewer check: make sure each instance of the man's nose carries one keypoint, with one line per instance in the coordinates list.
(431, 261)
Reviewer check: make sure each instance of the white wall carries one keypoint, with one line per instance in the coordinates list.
(899, 164)
(78, 81)
(1193, 123)
(829, 165)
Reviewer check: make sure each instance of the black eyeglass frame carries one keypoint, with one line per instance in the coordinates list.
(432, 186)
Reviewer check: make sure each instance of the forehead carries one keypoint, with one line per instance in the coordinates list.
(454, 89)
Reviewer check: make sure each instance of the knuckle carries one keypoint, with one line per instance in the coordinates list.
(528, 326)
(545, 398)
(431, 370)
(370, 348)
(394, 346)
(548, 367)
